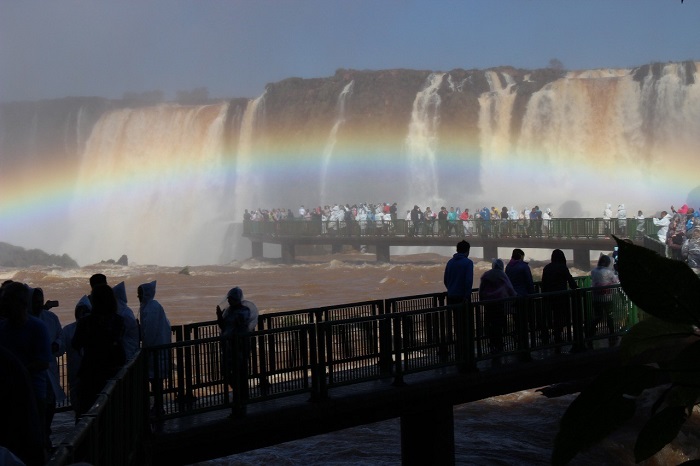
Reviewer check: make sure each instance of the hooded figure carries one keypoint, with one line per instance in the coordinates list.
(239, 318)
(131, 328)
(556, 310)
(73, 356)
(155, 328)
(495, 285)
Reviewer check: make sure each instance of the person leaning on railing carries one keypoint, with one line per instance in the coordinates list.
(602, 276)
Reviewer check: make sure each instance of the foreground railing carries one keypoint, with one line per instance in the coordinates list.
(114, 431)
(331, 347)
(312, 352)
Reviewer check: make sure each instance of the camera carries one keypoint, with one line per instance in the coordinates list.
(49, 304)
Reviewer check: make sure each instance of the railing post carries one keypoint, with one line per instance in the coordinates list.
(385, 344)
(464, 332)
(522, 319)
(397, 326)
(578, 310)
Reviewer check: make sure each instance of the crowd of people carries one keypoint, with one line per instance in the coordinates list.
(515, 280)
(105, 335)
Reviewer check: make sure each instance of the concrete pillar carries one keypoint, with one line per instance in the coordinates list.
(257, 249)
(288, 253)
(490, 251)
(582, 259)
(427, 435)
(336, 248)
(383, 254)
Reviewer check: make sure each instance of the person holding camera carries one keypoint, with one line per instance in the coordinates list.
(54, 392)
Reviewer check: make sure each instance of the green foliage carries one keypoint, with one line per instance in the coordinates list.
(660, 349)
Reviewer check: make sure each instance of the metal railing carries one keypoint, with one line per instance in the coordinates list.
(329, 347)
(315, 351)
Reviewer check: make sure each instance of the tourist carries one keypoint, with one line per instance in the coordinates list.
(54, 392)
(520, 274)
(640, 225)
(662, 222)
(73, 356)
(25, 340)
(238, 319)
(495, 285)
(131, 340)
(155, 331)
(675, 236)
(601, 276)
(99, 337)
(459, 275)
(690, 251)
(556, 277)
(621, 220)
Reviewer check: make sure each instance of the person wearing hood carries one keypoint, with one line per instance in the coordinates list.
(603, 275)
(54, 392)
(607, 214)
(131, 328)
(155, 331)
(520, 274)
(621, 220)
(99, 336)
(238, 319)
(662, 222)
(495, 285)
(73, 356)
(459, 275)
(556, 277)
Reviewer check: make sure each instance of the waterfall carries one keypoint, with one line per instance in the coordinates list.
(495, 115)
(332, 139)
(422, 141)
(150, 185)
(248, 184)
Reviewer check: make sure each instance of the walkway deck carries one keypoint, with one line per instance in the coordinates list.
(212, 435)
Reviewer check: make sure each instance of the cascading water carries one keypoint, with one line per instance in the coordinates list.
(496, 110)
(165, 183)
(421, 143)
(248, 180)
(150, 185)
(332, 139)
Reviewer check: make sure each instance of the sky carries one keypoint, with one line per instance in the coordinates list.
(234, 48)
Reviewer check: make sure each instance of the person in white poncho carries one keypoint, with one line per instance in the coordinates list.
(155, 331)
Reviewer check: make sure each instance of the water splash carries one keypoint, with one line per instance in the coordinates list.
(150, 185)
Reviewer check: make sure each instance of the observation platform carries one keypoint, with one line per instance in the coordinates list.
(581, 235)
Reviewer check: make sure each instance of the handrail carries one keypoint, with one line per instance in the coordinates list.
(410, 335)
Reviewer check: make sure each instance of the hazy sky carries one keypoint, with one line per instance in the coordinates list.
(106, 48)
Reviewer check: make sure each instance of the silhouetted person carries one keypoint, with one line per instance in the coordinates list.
(495, 285)
(24, 358)
(73, 356)
(132, 336)
(459, 275)
(99, 336)
(237, 320)
(54, 392)
(602, 275)
(557, 309)
(155, 331)
(520, 274)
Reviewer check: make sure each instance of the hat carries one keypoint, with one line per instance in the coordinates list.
(236, 294)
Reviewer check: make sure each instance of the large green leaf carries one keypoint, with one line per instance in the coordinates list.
(599, 409)
(661, 429)
(665, 288)
(653, 340)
